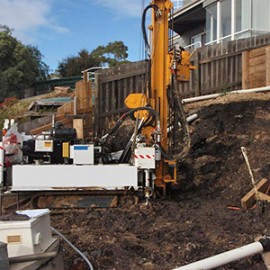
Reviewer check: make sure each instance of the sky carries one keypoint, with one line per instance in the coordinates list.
(61, 28)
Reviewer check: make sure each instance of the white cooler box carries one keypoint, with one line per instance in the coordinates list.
(27, 237)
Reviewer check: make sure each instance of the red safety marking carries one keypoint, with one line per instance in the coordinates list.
(145, 156)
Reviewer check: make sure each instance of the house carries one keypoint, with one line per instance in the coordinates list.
(203, 22)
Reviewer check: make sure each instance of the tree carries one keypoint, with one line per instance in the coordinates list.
(20, 65)
(114, 53)
(73, 65)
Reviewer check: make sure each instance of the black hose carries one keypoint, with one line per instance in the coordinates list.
(182, 118)
(143, 23)
(124, 116)
(147, 44)
(127, 151)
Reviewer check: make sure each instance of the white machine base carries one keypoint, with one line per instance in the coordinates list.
(66, 177)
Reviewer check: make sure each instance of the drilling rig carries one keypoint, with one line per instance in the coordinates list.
(57, 164)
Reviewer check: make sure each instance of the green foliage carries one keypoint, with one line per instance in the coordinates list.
(20, 65)
(72, 66)
(12, 108)
(114, 53)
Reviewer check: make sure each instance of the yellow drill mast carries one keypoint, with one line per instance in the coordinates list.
(160, 80)
(167, 68)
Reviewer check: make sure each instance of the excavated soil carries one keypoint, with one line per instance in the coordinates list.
(197, 220)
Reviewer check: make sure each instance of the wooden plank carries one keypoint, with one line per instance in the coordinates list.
(96, 103)
(257, 52)
(107, 100)
(232, 54)
(78, 125)
(69, 107)
(86, 110)
(84, 94)
(49, 126)
(257, 80)
(267, 67)
(110, 96)
(123, 76)
(249, 199)
(266, 259)
(60, 117)
(257, 60)
(257, 69)
(60, 110)
(245, 70)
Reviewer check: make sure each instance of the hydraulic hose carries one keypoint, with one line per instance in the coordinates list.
(124, 116)
(73, 247)
(127, 151)
(182, 118)
(143, 23)
(147, 46)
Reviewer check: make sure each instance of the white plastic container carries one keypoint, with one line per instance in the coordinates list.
(27, 237)
(83, 154)
(144, 157)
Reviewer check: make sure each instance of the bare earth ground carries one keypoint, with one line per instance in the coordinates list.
(195, 221)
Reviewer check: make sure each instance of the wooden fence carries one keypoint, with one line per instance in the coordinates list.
(219, 69)
(112, 87)
(220, 66)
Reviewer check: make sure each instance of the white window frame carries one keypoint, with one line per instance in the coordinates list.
(233, 19)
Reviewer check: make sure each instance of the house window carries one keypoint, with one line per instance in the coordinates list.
(211, 23)
(238, 15)
(225, 18)
(197, 41)
(260, 18)
(242, 21)
(231, 19)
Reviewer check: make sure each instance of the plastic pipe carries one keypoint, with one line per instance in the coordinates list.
(205, 97)
(192, 117)
(2, 160)
(189, 119)
(73, 247)
(229, 256)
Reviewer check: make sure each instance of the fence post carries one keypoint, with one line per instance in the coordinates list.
(267, 69)
(245, 70)
(196, 74)
(96, 104)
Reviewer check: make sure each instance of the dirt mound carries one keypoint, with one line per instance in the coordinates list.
(195, 221)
